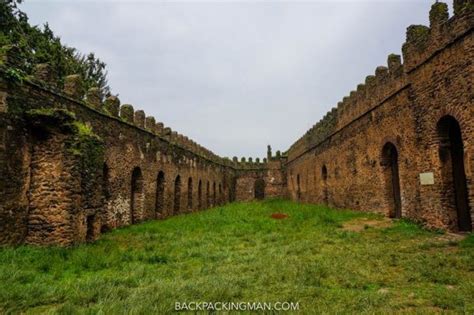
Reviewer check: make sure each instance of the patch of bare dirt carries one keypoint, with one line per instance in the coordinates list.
(279, 216)
(450, 237)
(358, 225)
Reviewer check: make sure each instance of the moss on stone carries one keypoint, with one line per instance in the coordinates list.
(50, 117)
(418, 35)
(83, 142)
(439, 12)
(51, 112)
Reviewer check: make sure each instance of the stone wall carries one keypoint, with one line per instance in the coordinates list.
(392, 124)
(73, 166)
(270, 179)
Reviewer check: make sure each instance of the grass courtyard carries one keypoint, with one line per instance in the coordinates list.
(330, 261)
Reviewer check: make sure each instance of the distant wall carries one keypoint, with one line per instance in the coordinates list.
(270, 180)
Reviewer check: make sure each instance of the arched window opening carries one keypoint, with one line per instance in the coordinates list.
(160, 194)
(90, 225)
(190, 193)
(200, 194)
(214, 194)
(208, 195)
(298, 187)
(177, 195)
(219, 200)
(392, 180)
(324, 176)
(233, 185)
(259, 189)
(324, 173)
(451, 153)
(137, 196)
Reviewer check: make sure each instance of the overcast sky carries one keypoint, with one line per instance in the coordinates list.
(234, 76)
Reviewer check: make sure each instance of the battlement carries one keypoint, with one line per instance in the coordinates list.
(75, 163)
(126, 113)
(422, 42)
(257, 164)
(111, 106)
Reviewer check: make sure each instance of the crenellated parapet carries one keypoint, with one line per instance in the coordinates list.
(422, 42)
(110, 106)
(258, 164)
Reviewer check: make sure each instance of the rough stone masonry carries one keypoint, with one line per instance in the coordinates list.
(401, 144)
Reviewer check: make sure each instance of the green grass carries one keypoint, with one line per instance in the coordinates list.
(238, 253)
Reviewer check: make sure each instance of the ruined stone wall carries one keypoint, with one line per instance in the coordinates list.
(52, 194)
(72, 166)
(269, 178)
(343, 159)
(14, 169)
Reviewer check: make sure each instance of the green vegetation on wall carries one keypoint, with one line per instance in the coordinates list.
(37, 45)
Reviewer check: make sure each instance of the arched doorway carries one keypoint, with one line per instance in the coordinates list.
(137, 196)
(160, 193)
(451, 153)
(190, 193)
(208, 195)
(200, 194)
(259, 189)
(219, 196)
(233, 184)
(177, 195)
(392, 180)
(213, 194)
(298, 188)
(324, 176)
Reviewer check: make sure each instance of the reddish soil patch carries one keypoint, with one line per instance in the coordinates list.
(279, 216)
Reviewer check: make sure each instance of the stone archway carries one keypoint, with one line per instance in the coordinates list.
(298, 187)
(160, 193)
(392, 180)
(177, 195)
(259, 189)
(208, 195)
(451, 153)
(137, 196)
(214, 194)
(324, 176)
(199, 195)
(190, 193)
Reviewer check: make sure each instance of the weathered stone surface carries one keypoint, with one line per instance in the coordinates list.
(342, 162)
(44, 73)
(94, 98)
(112, 105)
(73, 172)
(139, 119)
(73, 86)
(127, 113)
